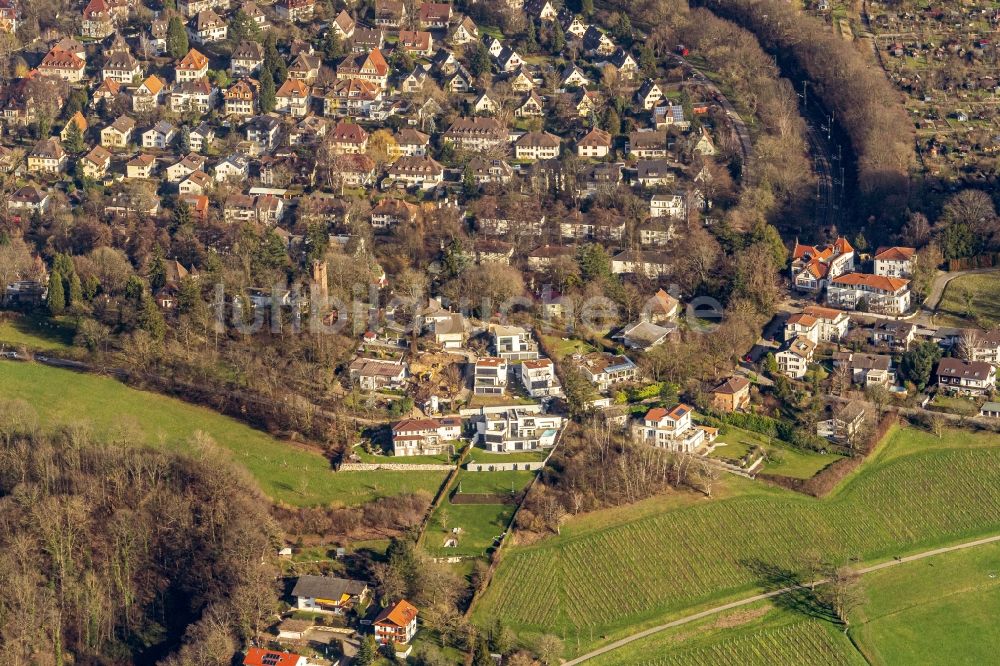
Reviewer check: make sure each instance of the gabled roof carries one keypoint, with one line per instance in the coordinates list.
(194, 60)
(80, 121)
(732, 386)
(108, 87)
(327, 587)
(153, 84)
(207, 19)
(260, 657)
(99, 155)
(344, 21)
(293, 88)
(59, 59)
(399, 614)
(879, 282)
(377, 60)
(954, 367)
(596, 137)
(895, 253)
(434, 11)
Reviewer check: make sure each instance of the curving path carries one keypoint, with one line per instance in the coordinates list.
(768, 595)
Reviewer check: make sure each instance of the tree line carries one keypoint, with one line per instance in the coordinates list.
(114, 553)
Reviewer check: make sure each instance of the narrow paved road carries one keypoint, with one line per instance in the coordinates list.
(941, 282)
(768, 595)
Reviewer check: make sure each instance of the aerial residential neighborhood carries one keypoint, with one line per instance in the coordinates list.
(523, 333)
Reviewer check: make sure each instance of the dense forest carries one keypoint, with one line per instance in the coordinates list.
(115, 554)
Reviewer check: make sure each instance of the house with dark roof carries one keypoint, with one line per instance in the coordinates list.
(962, 377)
(328, 594)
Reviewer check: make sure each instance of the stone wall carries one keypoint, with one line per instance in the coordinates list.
(395, 467)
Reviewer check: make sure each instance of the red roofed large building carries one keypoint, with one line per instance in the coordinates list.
(260, 657)
(62, 65)
(349, 139)
(293, 98)
(895, 261)
(396, 624)
(425, 437)
(434, 15)
(191, 67)
(98, 20)
(813, 267)
(874, 293)
(372, 67)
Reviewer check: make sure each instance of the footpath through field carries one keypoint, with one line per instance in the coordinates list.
(768, 595)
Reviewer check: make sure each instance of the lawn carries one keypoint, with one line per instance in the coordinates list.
(492, 482)
(480, 525)
(440, 459)
(956, 404)
(941, 610)
(562, 347)
(593, 586)
(983, 289)
(796, 463)
(761, 634)
(286, 472)
(37, 333)
(783, 460)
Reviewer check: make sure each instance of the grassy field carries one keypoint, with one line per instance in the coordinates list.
(783, 460)
(984, 291)
(286, 472)
(941, 610)
(935, 611)
(760, 634)
(492, 482)
(37, 333)
(595, 585)
(481, 524)
(440, 459)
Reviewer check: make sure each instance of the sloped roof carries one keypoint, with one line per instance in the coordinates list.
(399, 614)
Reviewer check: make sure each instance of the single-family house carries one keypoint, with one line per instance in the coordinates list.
(426, 436)
(962, 377)
(732, 395)
(193, 66)
(795, 356)
(159, 136)
(596, 144)
(118, 133)
(670, 429)
(328, 594)
(396, 624)
(374, 374)
(605, 370)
